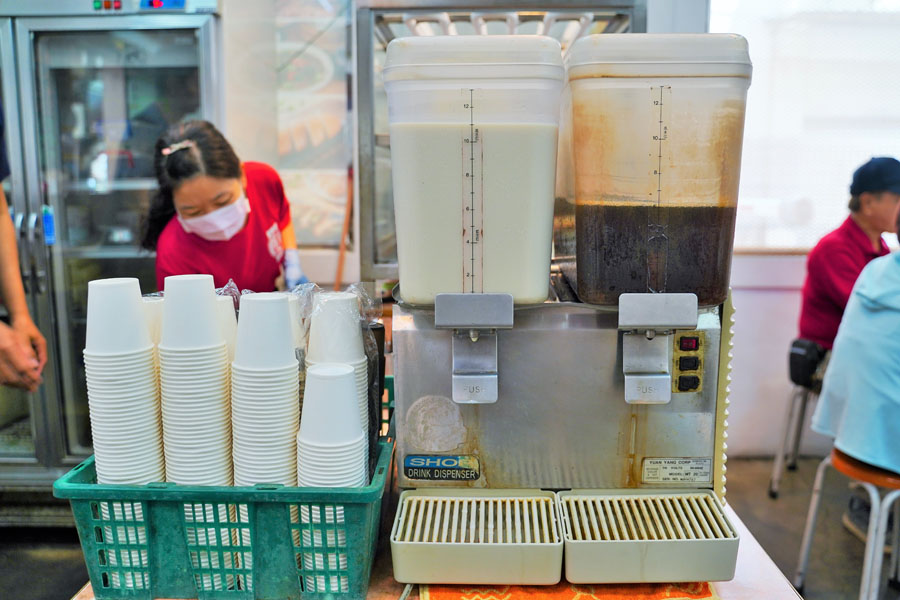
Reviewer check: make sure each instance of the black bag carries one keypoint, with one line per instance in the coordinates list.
(804, 361)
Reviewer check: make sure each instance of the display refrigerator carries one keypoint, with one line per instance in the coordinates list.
(87, 88)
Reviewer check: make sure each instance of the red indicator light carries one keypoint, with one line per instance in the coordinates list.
(689, 343)
(156, 3)
(117, 4)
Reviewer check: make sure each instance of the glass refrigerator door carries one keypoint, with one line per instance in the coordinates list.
(17, 426)
(18, 419)
(102, 99)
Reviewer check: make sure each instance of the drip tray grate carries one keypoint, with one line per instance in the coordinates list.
(477, 536)
(641, 536)
(478, 520)
(669, 517)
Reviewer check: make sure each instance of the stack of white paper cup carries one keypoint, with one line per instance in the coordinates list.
(265, 397)
(265, 393)
(196, 407)
(196, 412)
(129, 533)
(331, 452)
(123, 389)
(200, 528)
(331, 444)
(123, 396)
(335, 336)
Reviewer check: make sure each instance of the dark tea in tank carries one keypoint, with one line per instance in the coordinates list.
(639, 249)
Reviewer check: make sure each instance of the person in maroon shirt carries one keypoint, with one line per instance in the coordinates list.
(832, 269)
(837, 260)
(213, 214)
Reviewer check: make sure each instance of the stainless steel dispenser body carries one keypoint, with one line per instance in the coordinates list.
(560, 420)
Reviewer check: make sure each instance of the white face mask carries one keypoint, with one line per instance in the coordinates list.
(221, 224)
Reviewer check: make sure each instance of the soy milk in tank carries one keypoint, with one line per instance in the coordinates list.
(474, 124)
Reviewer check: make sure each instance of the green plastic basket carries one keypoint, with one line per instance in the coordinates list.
(163, 540)
(387, 406)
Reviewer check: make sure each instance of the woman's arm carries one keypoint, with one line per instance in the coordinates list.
(293, 272)
(288, 239)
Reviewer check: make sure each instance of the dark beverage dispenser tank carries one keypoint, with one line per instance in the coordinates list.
(658, 124)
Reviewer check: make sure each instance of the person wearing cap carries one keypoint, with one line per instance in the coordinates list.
(837, 260)
(859, 405)
(23, 350)
(213, 214)
(859, 361)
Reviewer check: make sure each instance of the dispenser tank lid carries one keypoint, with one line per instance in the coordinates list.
(414, 54)
(679, 54)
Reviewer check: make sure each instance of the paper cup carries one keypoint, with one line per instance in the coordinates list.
(124, 358)
(335, 334)
(189, 313)
(330, 411)
(264, 339)
(116, 323)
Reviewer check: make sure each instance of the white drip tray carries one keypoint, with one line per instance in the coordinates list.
(635, 536)
(477, 537)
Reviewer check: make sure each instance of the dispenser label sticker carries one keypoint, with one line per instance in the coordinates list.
(677, 470)
(441, 468)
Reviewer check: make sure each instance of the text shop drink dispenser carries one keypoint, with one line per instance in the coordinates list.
(659, 123)
(473, 124)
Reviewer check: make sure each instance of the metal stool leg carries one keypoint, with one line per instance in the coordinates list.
(806, 544)
(894, 575)
(875, 543)
(798, 430)
(778, 465)
(873, 552)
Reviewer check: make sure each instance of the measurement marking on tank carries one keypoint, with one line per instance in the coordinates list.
(659, 138)
(472, 197)
(657, 217)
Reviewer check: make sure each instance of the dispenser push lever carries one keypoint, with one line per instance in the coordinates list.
(475, 320)
(648, 322)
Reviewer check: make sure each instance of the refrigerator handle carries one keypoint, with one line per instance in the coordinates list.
(40, 274)
(18, 223)
(32, 226)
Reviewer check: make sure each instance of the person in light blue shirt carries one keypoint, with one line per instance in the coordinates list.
(860, 401)
(859, 405)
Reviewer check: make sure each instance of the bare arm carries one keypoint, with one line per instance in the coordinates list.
(11, 290)
(23, 350)
(288, 239)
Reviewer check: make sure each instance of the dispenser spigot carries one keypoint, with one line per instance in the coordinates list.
(474, 319)
(648, 322)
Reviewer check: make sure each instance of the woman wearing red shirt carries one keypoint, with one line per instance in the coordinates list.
(213, 214)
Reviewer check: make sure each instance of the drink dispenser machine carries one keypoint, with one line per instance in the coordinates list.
(530, 428)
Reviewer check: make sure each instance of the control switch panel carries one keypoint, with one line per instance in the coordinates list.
(687, 361)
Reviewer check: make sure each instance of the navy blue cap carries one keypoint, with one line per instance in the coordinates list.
(881, 174)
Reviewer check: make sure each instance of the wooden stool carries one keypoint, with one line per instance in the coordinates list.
(869, 478)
